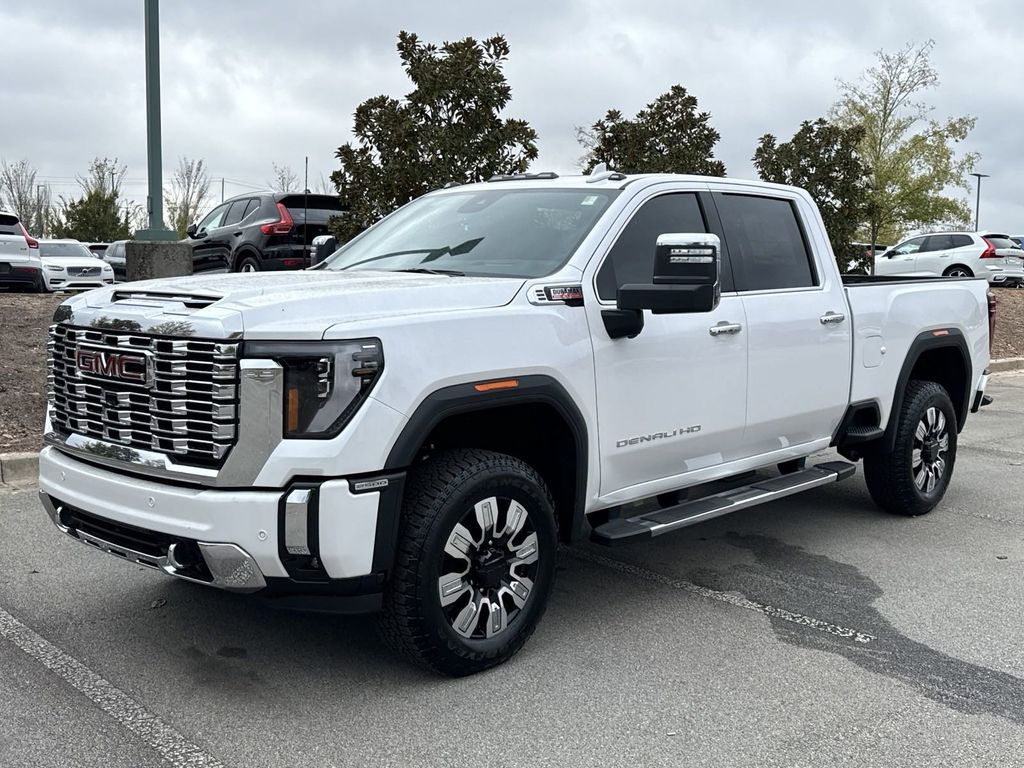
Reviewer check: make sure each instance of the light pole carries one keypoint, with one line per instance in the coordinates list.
(156, 229)
(977, 202)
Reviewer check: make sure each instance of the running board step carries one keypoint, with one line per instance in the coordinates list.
(623, 530)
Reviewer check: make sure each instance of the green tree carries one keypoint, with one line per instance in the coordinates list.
(94, 217)
(913, 158)
(447, 129)
(668, 136)
(823, 159)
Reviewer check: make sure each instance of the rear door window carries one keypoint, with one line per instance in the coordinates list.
(235, 213)
(766, 243)
(936, 243)
(960, 241)
(250, 206)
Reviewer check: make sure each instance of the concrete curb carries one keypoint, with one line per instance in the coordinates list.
(1006, 364)
(19, 468)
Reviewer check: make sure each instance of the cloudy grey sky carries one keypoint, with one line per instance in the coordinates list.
(249, 83)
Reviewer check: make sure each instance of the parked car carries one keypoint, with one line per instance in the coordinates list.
(69, 265)
(956, 254)
(114, 255)
(1018, 239)
(413, 426)
(258, 232)
(20, 265)
(97, 249)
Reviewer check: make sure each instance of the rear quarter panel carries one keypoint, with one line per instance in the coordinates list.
(889, 316)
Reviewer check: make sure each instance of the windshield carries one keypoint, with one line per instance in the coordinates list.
(64, 250)
(522, 233)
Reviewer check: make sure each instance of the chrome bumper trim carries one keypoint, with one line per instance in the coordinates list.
(261, 392)
(232, 568)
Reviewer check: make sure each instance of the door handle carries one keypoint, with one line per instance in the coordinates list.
(239, 233)
(725, 328)
(832, 318)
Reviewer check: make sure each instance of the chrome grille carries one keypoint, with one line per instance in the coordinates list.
(83, 271)
(186, 408)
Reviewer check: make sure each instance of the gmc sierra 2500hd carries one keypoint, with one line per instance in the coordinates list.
(413, 425)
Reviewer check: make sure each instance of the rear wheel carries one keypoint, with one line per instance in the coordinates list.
(912, 478)
(958, 270)
(248, 264)
(475, 562)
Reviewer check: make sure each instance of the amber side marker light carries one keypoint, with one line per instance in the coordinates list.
(490, 386)
(293, 410)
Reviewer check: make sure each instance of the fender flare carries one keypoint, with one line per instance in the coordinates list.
(464, 398)
(947, 338)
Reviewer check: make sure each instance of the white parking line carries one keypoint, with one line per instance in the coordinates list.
(172, 746)
(723, 597)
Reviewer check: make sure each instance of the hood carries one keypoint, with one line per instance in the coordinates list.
(281, 305)
(74, 261)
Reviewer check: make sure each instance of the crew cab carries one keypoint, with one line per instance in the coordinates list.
(415, 424)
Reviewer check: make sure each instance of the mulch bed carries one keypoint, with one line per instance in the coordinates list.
(24, 319)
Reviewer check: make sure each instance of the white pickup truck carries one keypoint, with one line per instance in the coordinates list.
(20, 265)
(413, 425)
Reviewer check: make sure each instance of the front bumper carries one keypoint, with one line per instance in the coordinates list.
(231, 539)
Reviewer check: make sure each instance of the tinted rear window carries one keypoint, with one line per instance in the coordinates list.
(9, 225)
(766, 245)
(320, 202)
(961, 241)
(1001, 242)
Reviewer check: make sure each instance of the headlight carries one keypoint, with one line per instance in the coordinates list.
(324, 382)
(52, 268)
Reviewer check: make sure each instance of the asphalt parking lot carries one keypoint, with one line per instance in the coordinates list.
(814, 631)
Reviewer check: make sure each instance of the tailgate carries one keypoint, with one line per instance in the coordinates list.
(14, 249)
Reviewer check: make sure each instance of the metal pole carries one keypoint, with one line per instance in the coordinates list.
(157, 229)
(977, 201)
(222, 189)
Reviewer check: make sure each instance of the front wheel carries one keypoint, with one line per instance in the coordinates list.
(912, 478)
(475, 562)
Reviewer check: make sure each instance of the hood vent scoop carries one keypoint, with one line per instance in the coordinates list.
(148, 298)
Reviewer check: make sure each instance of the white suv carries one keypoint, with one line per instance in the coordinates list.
(956, 254)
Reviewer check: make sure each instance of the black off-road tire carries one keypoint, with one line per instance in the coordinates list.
(890, 475)
(439, 494)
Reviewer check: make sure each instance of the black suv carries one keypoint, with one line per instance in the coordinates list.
(265, 230)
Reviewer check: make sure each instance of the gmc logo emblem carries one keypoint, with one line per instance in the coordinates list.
(111, 365)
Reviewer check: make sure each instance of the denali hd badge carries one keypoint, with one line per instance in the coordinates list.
(111, 365)
(657, 436)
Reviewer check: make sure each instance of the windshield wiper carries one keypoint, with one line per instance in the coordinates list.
(432, 253)
(425, 271)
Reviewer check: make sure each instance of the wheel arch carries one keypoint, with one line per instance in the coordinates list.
(537, 421)
(966, 267)
(243, 251)
(941, 356)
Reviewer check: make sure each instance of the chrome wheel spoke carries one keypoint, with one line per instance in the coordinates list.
(514, 520)
(520, 590)
(920, 477)
(460, 543)
(940, 426)
(921, 431)
(526, 552)
(468, 617)
(944, 442)
(497, 616)
(915, 458)
(451, 587)
(487, 515)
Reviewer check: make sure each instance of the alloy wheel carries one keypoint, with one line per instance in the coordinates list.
(489, 567)
(928, 457)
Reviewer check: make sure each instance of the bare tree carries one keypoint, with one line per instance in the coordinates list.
(186, 196)
(104, 177)
(324, 186)
(20, 193)
(285, 179)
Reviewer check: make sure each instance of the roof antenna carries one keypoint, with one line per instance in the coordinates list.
(602, 172)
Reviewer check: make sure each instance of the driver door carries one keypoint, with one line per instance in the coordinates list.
(672, 400)
(208, 250)
(900, 260)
